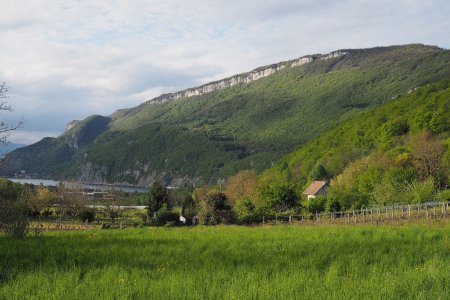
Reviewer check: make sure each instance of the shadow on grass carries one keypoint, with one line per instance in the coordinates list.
(89, 250)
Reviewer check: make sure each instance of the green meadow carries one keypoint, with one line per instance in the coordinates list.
(230, 262)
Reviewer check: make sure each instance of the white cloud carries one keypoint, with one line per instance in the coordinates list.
(66, 60)
(29, 137)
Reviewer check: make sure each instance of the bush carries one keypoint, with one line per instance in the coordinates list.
(444, 195)
(88, 214)
(164, 217)
(315, 205)
(244, 208)
(47, 212)
(332, 204)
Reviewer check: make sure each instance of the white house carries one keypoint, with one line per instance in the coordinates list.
(317, 188)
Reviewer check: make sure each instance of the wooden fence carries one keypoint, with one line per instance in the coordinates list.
(392, 213)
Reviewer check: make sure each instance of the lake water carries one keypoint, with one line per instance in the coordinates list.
(101, 187)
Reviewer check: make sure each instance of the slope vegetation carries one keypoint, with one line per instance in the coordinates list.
(213, 135)
(396, 153)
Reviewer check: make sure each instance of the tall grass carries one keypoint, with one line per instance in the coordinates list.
(282, 262)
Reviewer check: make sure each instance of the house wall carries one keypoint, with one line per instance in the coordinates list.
(321, 192)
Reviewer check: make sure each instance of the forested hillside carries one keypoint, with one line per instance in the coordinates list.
(247, 126)
(396, 153)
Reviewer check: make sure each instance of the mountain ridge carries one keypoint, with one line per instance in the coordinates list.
(205, 137)
(254, 74)
(246, 77)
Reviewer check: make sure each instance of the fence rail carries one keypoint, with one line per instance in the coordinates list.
(401, 212)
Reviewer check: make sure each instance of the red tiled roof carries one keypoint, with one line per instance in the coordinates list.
(314, 187)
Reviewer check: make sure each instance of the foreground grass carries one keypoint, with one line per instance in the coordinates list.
(280, 262)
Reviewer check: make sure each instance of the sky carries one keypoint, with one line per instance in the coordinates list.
(66, 60)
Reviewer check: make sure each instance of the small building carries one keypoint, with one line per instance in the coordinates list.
(317, 188)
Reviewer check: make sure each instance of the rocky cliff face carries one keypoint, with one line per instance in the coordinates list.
(244, 77)
(71, 125)
(80, 133)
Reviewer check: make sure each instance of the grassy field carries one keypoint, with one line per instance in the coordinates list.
(227, 262)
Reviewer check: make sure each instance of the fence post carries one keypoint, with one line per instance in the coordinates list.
(426, 207)
(409, 211)
(263, 220)
(276, 219)
(393, 213)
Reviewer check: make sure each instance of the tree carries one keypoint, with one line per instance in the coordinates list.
(42, 196)
(278, 197)
(243, 184)
(215, 209)
(14, 206)
(112, 208)
(5, 127)
(189, 208)
(427, 153)
(245, 209)
(70, 200)
(318, 173)
(421, 191)
(158, 196)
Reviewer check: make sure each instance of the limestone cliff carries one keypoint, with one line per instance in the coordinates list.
(244, 77)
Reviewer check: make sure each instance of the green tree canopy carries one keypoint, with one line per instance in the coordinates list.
(158, 196)
(279, 197)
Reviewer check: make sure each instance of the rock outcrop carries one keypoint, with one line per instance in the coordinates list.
(71, 125)
(244, 77)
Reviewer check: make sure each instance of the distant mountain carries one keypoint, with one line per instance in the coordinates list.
(246, 121)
